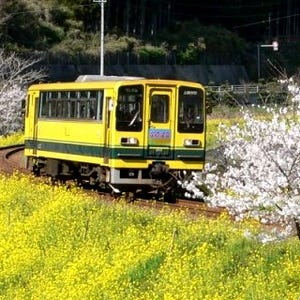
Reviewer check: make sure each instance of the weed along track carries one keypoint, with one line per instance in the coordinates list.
(12, 160)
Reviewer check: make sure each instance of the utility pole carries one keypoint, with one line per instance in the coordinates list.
(102, 2)
(274, 45)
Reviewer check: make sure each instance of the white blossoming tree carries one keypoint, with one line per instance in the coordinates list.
(15, 74)
(11, 110)
(258, 173)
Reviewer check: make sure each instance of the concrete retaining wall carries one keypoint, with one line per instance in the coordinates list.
(210, 74)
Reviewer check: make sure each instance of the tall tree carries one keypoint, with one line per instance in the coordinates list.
(15, 74)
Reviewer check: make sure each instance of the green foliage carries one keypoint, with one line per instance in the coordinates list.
(68, 27)
(115, 43)
(192, 52)
(49, 34)
(34, 24)
(20, 30)
(143, 270)
(73, 42)
(270, 92)
(221, 41)
(61, 16)
(289, 56)
(149, 52)
(88, 13)
(189, 40)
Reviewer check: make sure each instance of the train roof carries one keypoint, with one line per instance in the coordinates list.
(92, 81)
(86, 78)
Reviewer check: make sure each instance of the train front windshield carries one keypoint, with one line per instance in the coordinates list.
(191, 115)
(129, 112)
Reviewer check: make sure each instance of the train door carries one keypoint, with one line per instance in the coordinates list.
(160, 132)
(107, 131)
(31, 115)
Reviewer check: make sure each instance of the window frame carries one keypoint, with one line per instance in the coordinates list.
(190, 98)
(130, 106)
(67, 104)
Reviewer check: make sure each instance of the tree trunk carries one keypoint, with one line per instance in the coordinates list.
(297, 224)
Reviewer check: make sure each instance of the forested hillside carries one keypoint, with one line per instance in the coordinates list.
(155, 31)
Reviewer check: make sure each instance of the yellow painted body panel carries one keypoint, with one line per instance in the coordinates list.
(71, 132)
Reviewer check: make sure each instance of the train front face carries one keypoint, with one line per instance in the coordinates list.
(159, 135)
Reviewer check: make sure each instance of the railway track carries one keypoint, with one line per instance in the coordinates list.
(12, 159)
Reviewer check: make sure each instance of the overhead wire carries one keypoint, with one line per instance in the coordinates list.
(266, 21)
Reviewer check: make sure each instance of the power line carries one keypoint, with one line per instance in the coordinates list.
(265, 21)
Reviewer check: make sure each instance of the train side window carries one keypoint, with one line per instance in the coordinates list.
(50, 108)
(82, 95)
(72, 108)
(68, 109)
(90, 109)
(58, 111)
(91, 105)
(64, 103)
(87, 105)
(44, 105)
(98, 108)
(83, 109)
(55, 106)
(78, 107)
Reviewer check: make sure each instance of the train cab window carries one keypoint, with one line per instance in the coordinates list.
(190, 110)
(129, 110)
(83, 105)
(159, 109)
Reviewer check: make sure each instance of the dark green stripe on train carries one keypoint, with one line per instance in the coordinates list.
(115, 152)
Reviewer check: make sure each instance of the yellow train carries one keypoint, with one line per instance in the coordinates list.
(127, 133)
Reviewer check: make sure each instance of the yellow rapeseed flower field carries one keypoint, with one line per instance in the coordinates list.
(58, 243)
(14, 139)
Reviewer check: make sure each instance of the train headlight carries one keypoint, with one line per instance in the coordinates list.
(129, 141)
(192, 143)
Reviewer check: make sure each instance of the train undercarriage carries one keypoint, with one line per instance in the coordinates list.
(156, 181)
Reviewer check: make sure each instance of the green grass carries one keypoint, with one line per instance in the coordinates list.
(228, 116)
(220, 115)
